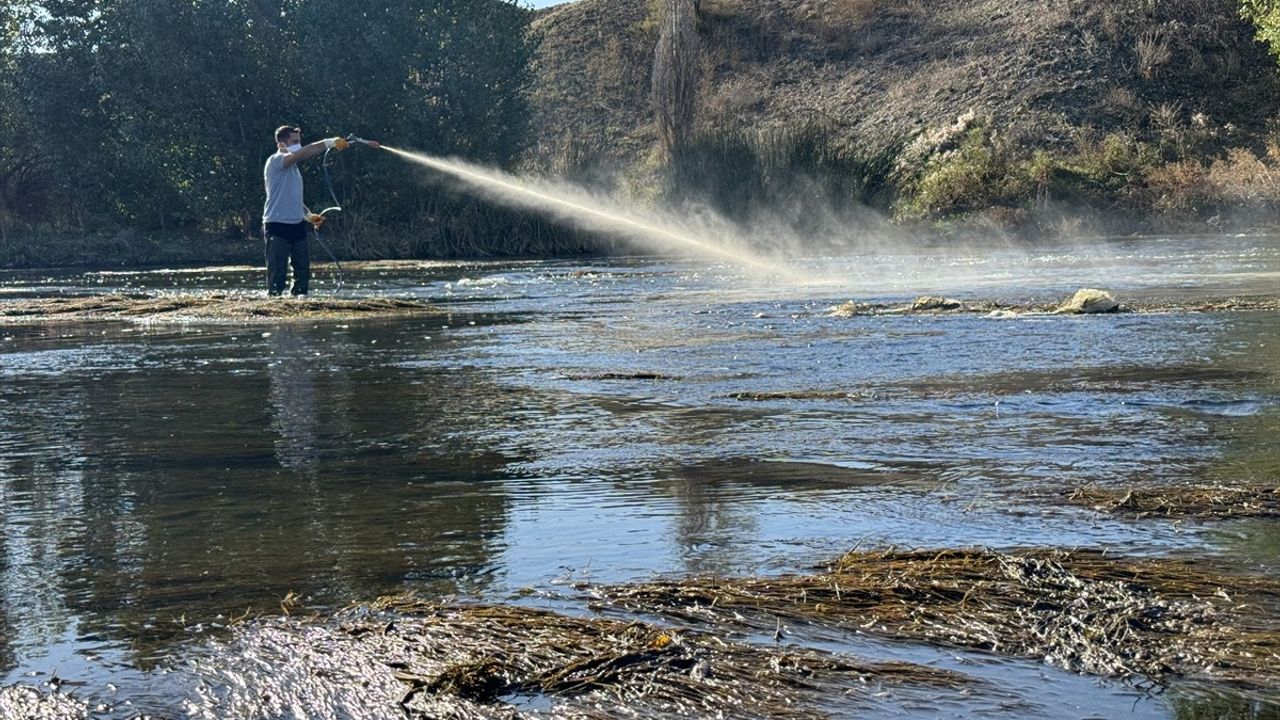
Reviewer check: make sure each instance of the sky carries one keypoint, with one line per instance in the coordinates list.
(544, 3)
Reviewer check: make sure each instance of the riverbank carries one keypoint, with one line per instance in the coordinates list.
(47, 248)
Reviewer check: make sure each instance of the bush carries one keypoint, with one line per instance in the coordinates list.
(979, 173)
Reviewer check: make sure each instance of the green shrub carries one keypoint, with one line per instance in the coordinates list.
(978, 173)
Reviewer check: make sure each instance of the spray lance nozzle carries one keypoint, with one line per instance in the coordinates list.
(362, 141)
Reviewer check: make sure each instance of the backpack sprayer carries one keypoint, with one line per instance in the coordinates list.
(318, 218)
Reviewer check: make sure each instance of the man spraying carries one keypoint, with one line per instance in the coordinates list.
(285, 216)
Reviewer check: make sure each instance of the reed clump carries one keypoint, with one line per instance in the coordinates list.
(1148, 620)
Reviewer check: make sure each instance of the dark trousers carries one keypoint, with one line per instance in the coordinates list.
(287, 243)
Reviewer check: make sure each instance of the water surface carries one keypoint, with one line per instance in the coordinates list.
(606, 421)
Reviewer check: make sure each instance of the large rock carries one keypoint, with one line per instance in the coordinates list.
(1088, 300)
(847, 309)
(926, 303)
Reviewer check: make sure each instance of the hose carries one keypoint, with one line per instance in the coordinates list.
(337, 206)
(332, 257)
(328, 183)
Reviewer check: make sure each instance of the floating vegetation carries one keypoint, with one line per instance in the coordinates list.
(1148, 621)
(404, 657)
(141, 307)
(1202, 501)
(1084, 611)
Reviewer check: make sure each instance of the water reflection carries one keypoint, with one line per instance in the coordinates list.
(709, 522)
(1250, 448)
(198, 488)
(43, 509)
(291, 373)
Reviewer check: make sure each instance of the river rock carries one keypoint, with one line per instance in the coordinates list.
(846, 309)
(925, 303)
(1088, 300)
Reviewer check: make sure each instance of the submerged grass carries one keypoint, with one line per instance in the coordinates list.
(1117, 379)
(1201, 501)
(1147, 620)
(140, 307)
(405, 657)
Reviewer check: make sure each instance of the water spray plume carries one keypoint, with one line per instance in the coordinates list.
(575, 206)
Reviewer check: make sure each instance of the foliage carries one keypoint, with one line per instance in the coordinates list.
(969, 177)
(158, 114)
(1265, 15)
(983, 171)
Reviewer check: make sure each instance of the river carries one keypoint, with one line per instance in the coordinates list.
(609, 420)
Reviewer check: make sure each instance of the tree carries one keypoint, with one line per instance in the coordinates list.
(674, 85)
(24, 185)
(1265, 16)
(161, 111)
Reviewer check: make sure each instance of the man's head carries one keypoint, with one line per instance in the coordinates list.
(287, 135)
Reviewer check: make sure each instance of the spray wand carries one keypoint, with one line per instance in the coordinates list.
(371, 143)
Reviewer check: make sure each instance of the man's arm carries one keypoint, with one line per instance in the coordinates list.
(309, 151)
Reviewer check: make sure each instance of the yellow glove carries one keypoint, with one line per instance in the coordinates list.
(336, 143)
(316, 220)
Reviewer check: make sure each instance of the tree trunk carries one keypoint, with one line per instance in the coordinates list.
(674, 86)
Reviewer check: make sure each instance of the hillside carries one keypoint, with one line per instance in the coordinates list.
(1183, 80)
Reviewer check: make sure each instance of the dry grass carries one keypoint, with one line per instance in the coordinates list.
(1178, 187)
(1243, 177)
(1240, 178)
(402, 657)
(1152, 51)
(1123, 102)
(1182, 501)
(839, 22)
(1084, 611)
(204, 307)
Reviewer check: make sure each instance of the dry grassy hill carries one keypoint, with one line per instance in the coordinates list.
(1172, 81)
